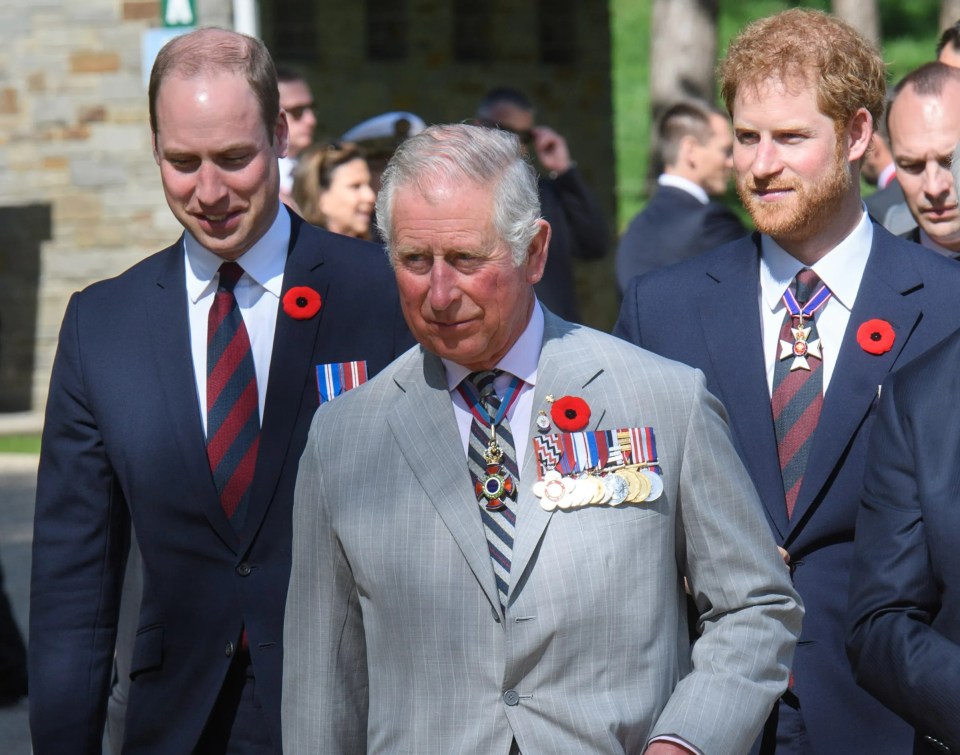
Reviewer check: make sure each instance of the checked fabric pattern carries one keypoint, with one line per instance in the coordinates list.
(233, 410)
(499, 526)
(797, 398)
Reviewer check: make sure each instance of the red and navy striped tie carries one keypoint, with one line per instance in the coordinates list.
(499, 526)
(797, 398)
(233, 410)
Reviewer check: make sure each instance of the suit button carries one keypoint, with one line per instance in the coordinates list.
(510, 697)
(228, 650)
(244, 569)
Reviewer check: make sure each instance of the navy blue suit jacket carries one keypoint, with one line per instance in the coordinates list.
(674, 226)
(123, 441)
(904, 609)
(706, 312)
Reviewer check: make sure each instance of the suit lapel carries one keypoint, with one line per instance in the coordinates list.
(561, 371)
(169, 333)
(730, 317)
(425, 428)
(291, 361)
(884, 294)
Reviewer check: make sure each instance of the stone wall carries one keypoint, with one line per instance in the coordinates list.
(74, 152)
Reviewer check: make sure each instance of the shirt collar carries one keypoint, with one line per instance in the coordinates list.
(928, 242)
(684, 184)
(264, 262)
(840, 269)
(521, 360)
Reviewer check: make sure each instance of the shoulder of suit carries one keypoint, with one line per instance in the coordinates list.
(911, 382)
(695, 269)
(145, 272)
(606, 350)
(369, 399)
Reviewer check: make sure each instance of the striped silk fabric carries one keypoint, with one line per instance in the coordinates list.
(797, 398)
(499, 525)
(233, 414)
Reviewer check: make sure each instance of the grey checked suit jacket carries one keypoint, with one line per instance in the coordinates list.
(394, 638)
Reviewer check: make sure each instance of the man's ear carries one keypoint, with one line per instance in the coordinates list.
(537, 252)
(686, 152)
(858, 134)
(281, 132)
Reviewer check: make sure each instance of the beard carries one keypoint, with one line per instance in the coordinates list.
(806, 211)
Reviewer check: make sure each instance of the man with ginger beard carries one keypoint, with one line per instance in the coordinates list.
(798, 366)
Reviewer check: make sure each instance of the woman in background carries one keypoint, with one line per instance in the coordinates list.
(331, 187)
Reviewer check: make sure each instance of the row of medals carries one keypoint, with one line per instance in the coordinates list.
(634, 483)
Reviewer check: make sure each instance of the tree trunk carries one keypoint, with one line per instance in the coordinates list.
(683, 55)
(862, 15)
(949, 13)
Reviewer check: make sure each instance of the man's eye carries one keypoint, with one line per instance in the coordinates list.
(416, 263)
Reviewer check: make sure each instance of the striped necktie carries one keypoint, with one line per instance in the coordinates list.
(797, 395)
(233, 411)
(498, 525)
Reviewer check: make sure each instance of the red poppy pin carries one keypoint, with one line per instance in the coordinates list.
(301, 302)
(876, 336)
(570, 413)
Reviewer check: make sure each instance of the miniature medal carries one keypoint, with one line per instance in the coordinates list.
(656, 484)
(543, 422)
(617, 488)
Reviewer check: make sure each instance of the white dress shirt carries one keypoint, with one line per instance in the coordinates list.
(257, 294)
(684, 184)
(520, 361)
(841, 269)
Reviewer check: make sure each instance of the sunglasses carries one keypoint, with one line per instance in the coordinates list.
(297, 111)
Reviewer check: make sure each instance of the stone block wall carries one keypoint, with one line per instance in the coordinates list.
(80, 197)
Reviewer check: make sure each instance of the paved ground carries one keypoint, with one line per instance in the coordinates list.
(17, 487)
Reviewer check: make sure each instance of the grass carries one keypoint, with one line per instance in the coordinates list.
(910, 36)
(19, 444)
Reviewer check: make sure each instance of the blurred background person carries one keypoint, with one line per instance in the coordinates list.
(13, 654)
(331, 189)
(878, 169)
(923, 120)
(567, 203)
(948, 48)
(296, 99)
(695, 146)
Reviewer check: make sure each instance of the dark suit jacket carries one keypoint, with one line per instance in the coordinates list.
(883, 199)
(123, 441)
(674, 226)
(706, 312)
(579, 232)
(904, 609)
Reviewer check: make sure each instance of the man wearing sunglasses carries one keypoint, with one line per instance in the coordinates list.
(579, 228)
(297, 100)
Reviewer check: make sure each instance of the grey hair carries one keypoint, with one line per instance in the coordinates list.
(446, 156)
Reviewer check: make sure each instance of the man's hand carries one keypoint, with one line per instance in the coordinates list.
(551, 150)
(784, 555)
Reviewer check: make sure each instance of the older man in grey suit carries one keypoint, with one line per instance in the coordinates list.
(492, 536)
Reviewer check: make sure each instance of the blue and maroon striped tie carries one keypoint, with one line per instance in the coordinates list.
(233, 409)
(797, 398)
(499, 526)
